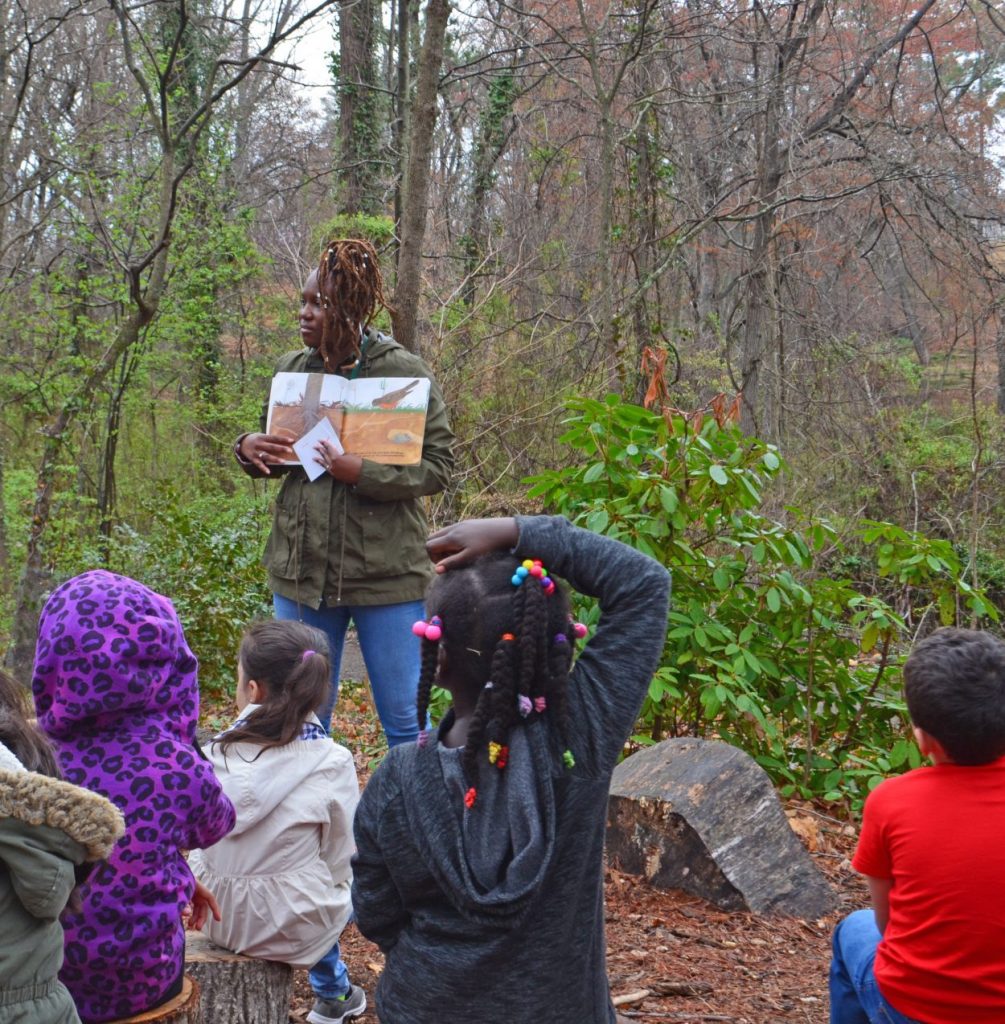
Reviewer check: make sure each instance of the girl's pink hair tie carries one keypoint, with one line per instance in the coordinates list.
(431, 630)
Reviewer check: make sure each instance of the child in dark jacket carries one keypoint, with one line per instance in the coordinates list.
(49, 831)
(116, 693)
(479, 869)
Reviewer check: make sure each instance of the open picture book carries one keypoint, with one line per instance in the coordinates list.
(378, 418)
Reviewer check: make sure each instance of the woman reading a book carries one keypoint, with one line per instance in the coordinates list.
(350, 545)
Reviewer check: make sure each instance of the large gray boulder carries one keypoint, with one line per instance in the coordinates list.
(703, 816)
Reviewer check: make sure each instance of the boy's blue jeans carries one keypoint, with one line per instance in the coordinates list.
(855, 996)
(390, 650)
(329, 977)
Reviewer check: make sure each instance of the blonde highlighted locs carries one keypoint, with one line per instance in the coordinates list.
(352, 292)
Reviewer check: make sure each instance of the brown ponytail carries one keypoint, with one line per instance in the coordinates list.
(18, 734)
(290, 661)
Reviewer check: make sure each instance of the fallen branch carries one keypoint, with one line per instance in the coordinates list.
(681, 988)
(631, 997)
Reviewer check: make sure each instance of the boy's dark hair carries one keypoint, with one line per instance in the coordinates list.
(954, 681)
(290, 660)
(19, 735)
(516, 637)
(352, 290)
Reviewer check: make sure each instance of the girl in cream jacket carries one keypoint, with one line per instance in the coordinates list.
(282, 877)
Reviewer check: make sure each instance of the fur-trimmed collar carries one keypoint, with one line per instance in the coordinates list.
(86, 817)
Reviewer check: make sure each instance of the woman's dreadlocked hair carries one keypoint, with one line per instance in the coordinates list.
(352, 291)
(513, 643)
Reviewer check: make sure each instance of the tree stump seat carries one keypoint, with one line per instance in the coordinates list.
(238, 989)
(183, 1009)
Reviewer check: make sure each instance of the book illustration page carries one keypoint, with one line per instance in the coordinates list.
(379, 418)
(299, 401)
(384, 418)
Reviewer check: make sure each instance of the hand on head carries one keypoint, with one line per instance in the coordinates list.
(460, 544)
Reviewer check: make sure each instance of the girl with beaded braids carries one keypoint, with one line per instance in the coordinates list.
(479, 864)
(349, 546)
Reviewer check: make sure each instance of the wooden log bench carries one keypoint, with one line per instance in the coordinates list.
(183, 1009)
(238, 989)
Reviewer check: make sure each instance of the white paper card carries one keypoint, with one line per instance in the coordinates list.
(307, 453)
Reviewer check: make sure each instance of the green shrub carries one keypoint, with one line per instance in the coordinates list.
(204, 556)
(764, 651)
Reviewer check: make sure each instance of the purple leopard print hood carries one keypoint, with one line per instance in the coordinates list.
(111, 653)
(116, 690)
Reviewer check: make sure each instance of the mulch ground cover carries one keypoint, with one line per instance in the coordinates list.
(670, 956)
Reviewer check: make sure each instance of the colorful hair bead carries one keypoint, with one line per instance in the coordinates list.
(532, 567)
(494, 749)
(469, 798)
(423, 738)
(508, 636)
(540, 704)
(503, 757)
(561, 638)
(431, 630)
(525, 705)
(568, 760)
(579, 629)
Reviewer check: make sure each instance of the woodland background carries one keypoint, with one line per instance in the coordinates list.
(726, 280)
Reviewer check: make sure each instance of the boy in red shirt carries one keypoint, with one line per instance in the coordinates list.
(932, 949)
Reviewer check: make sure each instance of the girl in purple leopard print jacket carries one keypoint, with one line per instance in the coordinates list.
(116, 692)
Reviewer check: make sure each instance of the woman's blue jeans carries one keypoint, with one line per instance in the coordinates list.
(390, 651)
(855, 996)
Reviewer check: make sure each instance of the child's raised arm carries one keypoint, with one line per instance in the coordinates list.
(612, 675)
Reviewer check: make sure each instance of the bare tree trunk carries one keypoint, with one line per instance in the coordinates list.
(4, 549)
(611, 339)
(358, 124)
(415, 190)
(1000, 353)
(35, 576)
(493, 134)
(402, 107)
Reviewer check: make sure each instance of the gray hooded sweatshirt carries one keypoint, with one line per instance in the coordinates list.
(495, 915)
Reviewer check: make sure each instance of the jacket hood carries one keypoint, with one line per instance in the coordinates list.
(375, 347)
(110, 653)
(87, 818)
(493, 857)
